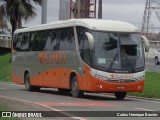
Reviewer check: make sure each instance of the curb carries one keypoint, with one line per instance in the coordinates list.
(144, 98)
(136, 97)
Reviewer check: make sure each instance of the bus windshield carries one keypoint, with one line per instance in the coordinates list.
(121, 52)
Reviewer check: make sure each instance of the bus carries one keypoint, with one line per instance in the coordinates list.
(80, 55)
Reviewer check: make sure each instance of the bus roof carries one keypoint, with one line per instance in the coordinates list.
(95, 24)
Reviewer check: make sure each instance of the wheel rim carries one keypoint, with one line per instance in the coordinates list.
(27, 83)
(75, 87)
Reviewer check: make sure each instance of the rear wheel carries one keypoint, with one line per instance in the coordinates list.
(75, 88)
(120, 95)
(28, 86)
(156, 61)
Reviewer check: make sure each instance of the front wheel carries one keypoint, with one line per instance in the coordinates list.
(75, 88)
(120, 95)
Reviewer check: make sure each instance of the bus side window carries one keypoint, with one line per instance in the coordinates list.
(49, 41)
(67, 39)
(41, 39)
(31, 43)
(71, 39)
(25, 42)
(55, 41)
(38, 40)
(19, 40)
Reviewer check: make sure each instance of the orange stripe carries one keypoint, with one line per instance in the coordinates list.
(16, 79)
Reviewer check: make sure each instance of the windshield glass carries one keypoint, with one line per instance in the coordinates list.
(117, 51)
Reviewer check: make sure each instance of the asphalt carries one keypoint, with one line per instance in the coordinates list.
(150, 65)
(93, 103)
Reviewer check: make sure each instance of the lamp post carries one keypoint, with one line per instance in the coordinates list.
(44, 12)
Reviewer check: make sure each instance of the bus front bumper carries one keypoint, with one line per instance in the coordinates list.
(104, 86)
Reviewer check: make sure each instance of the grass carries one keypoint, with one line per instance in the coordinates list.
(3, 109)
(5, 67)
(151, 87)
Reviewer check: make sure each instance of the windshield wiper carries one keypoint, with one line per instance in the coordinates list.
(112, 62)
(121, 62)
(125, 55)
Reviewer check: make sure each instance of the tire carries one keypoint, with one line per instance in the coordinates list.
(75, 89)
(28, 86)
(120, 95)
(156, 61)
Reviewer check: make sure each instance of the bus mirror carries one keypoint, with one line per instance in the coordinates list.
(90, 39)
(145, 42)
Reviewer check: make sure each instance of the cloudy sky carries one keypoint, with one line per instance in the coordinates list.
(125, 10)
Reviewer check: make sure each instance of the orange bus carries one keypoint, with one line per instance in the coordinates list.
(80, 55)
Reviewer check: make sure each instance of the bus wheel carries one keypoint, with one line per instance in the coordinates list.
(29, 87)
(75, 89)
(120, 95)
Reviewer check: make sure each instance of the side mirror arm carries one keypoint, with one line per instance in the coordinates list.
(90, 40)
(146, 43)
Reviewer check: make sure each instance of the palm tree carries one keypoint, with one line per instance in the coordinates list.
(18, 10)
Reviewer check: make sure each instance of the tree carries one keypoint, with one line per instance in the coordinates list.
(19, 10)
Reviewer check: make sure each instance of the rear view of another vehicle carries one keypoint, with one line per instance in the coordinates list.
(157, 57)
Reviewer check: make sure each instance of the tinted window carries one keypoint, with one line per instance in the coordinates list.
(46, 40)
(18, 43)
(67, 39)
(38, 40)
(52, 40)
(33, 41)
(25, 42)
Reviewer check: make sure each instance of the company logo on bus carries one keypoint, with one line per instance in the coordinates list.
(52, 58)
(121, 76)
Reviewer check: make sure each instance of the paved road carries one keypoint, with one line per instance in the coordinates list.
(150, 65)
(90, 102)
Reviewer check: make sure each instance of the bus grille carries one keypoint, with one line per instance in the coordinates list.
(121, 81)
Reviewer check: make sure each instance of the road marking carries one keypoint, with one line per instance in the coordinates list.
(97, 104)
(144, 109)
(53, 109)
